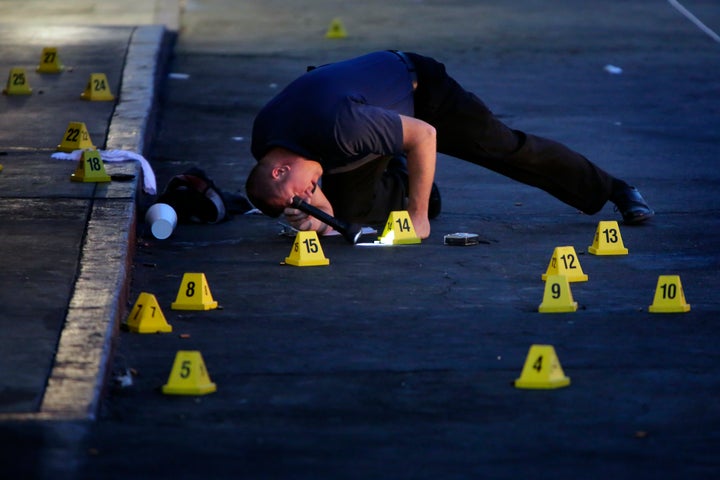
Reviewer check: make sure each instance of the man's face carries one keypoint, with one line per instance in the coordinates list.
(299, 180)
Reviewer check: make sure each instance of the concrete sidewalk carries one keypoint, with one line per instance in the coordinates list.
(94, 13)
(67, 245)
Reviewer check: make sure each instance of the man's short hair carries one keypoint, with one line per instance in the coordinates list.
(259, 191)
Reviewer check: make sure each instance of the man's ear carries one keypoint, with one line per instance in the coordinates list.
(280, 171)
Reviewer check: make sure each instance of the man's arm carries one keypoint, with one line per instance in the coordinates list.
(420, 145)
(302, 221)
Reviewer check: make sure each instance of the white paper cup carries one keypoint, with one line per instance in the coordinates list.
(162, 220)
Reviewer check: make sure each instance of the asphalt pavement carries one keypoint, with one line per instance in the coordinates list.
(390, 362)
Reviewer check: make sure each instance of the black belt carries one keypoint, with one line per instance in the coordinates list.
(410, 66)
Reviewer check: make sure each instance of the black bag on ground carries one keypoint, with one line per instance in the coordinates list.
(196, 198)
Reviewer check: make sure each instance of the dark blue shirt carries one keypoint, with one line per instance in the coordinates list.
(339, 113)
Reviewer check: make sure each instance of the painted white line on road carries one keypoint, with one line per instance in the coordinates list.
(695, 20)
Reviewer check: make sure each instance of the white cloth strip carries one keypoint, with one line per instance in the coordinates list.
(149, 182)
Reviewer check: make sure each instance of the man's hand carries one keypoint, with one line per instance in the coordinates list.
(421, 225)
(302, 221)
(297, 219)
(420, 144)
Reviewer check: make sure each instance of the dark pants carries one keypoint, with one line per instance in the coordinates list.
(468, 130)
(366, 194)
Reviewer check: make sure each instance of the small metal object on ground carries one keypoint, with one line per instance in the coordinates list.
(461, 238)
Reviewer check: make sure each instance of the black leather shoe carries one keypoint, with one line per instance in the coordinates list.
(632, 206)
(435, 204)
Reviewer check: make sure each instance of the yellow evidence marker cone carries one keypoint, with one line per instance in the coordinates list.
(17, 83)
(90, 168)
(50, 61)
(188, 375)
(557, 297)
(542, 370)
(336, 29)
(608, 240)
(399, 230)
(565, 261)
(97, 89)
(76, 137)
(669, 296)
(307, 251)
(146, 316)
(194, 294)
